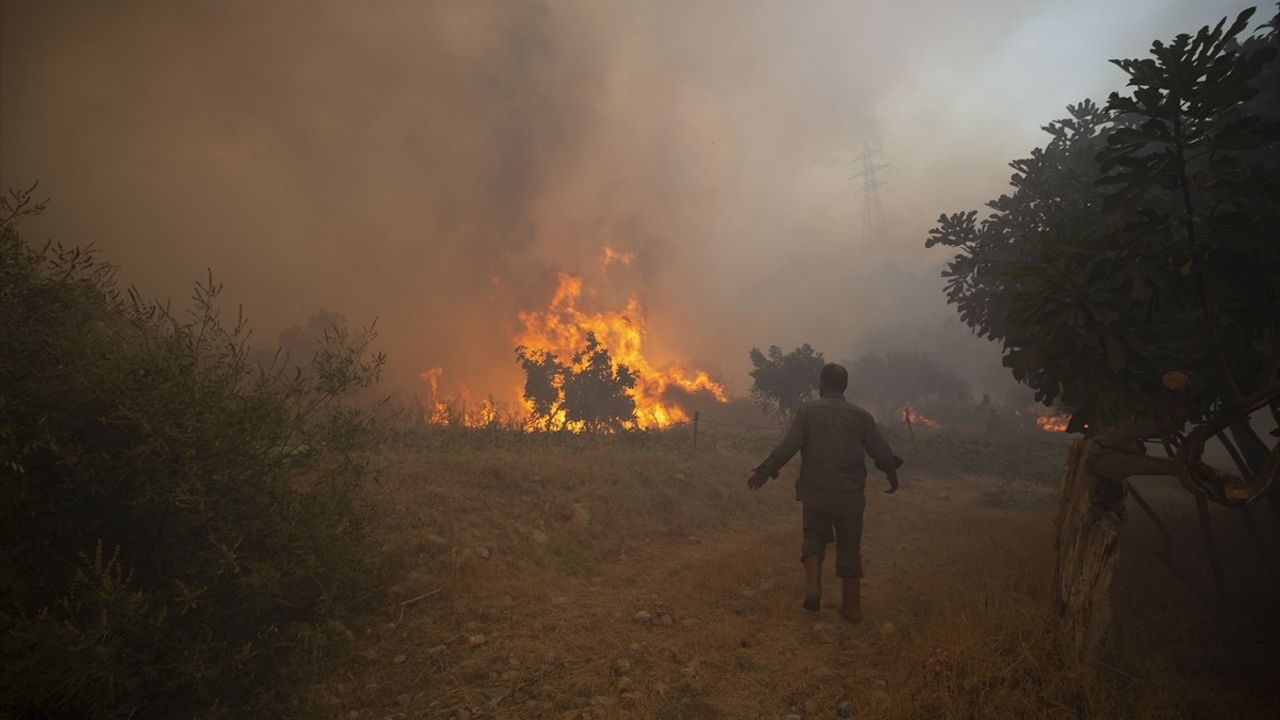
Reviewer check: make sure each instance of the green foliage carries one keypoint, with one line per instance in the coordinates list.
(902, 377)
(178, 520)
(783, 383)
(1140, 240)
(589, 392)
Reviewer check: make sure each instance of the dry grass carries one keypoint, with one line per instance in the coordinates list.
(547, 625)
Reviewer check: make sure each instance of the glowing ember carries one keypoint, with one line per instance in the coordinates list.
(562, 328)
(1052, 423)
(914, 417)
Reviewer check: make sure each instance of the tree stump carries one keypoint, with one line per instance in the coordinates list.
(1090, 515)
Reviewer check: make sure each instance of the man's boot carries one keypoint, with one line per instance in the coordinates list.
(852, 609)
(812, 582)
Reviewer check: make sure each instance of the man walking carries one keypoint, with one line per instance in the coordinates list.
(833, 437)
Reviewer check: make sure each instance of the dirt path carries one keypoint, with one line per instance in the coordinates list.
(705, 627)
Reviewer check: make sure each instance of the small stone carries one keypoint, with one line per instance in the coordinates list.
(477, 639)
(844, 709)
(690, 670)
(888, 630)
(622, 666)
(660, 688)
(404, 698)
(539, 537)
(399, 658)
(879, 683)
(601, 701)
(436, 540)
(483, 552)
(579, 517)
(511, 675)
(695, 539)
(438, 650)
(624, 684)
(667, 620)
(561, 600)
(644, 616)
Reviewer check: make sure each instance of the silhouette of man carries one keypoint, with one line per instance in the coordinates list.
(833, 437)
(988, 410)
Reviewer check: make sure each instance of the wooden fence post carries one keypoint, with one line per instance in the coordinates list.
(695, 430)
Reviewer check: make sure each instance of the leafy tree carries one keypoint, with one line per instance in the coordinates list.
(784, 382)
(543, 374)
(1141, 240)
(1134, 276)
(588, 391)
(595, 393)
(178, 522)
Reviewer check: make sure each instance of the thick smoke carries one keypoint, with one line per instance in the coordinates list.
(435, 164)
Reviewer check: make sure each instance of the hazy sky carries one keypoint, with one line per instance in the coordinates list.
(435, 164)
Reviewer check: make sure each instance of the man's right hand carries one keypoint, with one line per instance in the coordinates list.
(757, 480)
(893, 483)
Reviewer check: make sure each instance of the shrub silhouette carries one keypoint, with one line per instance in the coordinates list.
(783, 382)
(179, 522)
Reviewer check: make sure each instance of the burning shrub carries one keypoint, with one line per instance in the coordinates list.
(590, 393)
(178, 521)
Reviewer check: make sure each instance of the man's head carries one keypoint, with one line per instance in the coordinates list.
(833, 379)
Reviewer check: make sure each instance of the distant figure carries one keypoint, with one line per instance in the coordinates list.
(988, 410)
(833, 437)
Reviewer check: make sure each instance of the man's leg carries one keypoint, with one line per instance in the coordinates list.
(848, 532)
(817, 533)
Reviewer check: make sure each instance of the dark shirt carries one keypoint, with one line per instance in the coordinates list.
(833, 437)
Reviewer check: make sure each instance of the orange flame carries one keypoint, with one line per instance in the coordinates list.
(562, 329)
(437, 411)
(914, 417)
(611, 256)
(1052, 423)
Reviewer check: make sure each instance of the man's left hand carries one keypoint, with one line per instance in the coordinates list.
(757, 480)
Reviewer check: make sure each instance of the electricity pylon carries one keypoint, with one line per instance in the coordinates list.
(874, 232)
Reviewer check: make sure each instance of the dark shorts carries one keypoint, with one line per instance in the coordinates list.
(821, 529)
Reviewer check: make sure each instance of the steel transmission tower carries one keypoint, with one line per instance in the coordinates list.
(874, 232)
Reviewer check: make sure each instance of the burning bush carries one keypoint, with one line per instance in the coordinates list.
(588, 393)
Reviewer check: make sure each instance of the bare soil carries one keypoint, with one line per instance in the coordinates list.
(599, 581)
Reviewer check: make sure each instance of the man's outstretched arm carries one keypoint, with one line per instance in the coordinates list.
(789, 446)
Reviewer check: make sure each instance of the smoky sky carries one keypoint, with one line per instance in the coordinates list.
(435, 164)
